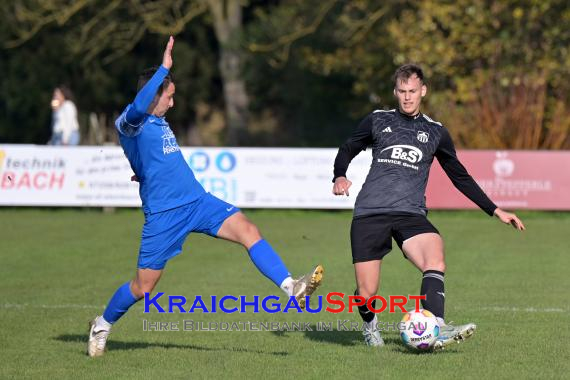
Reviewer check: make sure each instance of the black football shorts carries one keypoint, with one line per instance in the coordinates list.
(371, 235)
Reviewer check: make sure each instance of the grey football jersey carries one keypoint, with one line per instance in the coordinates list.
(403, 149)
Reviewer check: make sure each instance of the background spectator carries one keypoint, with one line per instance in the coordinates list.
(65, 128)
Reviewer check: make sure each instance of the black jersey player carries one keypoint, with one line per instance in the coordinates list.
(391, 203)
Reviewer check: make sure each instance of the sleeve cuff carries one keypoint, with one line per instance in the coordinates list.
(491, 210)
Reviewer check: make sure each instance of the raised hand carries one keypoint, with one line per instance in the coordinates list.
(167, 58)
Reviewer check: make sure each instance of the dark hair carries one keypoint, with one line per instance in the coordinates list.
(148, 73)
(406, 71)
(67, 94)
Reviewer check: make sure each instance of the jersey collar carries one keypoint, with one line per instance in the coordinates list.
(408, 117)
(156, 119)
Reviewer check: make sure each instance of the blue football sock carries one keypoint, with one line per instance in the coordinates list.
(119, 303)
(268, 262)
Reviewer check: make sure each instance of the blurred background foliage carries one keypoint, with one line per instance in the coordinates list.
(292, 72)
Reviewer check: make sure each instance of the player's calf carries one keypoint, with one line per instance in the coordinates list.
(370, 331)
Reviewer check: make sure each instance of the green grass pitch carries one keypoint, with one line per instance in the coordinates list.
(59, 267)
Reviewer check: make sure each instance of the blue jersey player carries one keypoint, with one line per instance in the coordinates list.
(175, 204)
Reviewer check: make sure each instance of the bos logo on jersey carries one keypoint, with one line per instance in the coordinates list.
(407, 153)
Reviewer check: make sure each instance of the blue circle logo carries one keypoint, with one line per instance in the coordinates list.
(226, 162)
(199, 161)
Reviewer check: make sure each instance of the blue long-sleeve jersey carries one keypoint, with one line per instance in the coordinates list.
(166, 180)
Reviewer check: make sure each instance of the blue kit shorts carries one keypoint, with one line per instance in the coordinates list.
(164, 232)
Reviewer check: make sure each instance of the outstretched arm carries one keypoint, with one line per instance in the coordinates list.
(463, 181)
(146, 95)
(459, 176)
(136, 113)
(360, 139)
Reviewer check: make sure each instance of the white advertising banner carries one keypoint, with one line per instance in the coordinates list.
(33, 175)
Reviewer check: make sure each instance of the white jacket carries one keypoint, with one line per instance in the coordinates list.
(65, 120)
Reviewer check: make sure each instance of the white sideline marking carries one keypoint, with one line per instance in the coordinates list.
(68, 306)
(526, 309)
(510, 309)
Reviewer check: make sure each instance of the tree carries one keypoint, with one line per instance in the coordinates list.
(325, 76)
(333, 38)
(107, 30)
(500, 69)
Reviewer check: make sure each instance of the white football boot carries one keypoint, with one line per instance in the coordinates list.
(449, 334)
(97, 338)
(307, 284)
(372, 334)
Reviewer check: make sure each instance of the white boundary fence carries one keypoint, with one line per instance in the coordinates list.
(99, 176)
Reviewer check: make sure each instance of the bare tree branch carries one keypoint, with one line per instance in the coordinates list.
(31, 18)
(362, 28)
(168, 17)
(284, 42)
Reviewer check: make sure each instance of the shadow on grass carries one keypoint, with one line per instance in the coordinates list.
(395, 344)
(118, 345)
(354, 338)
(343, 338)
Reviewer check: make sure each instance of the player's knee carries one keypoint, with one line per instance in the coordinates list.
(367, 291)
(250, 234)
(253, 231)
(139, 289)
(438, 266)
(442, 267)
(137, 292)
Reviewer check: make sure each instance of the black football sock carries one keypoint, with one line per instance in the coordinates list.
(366, 315)
(433, 289)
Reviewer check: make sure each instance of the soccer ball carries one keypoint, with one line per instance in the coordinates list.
(419, 330)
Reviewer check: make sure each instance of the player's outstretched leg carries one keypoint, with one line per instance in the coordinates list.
(270, 265)
(239, 229)
(434, 290)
